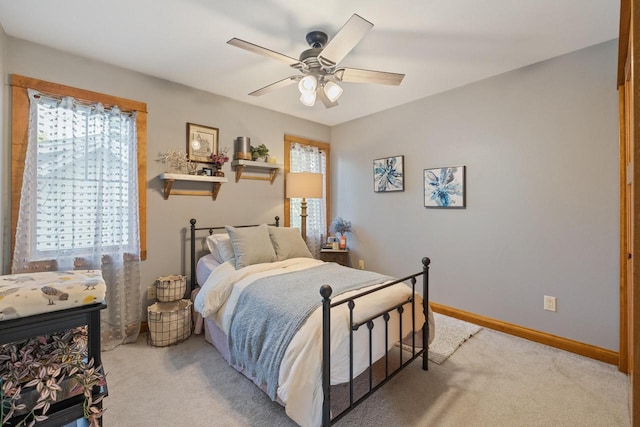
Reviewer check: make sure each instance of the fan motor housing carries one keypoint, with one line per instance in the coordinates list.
(310, 58)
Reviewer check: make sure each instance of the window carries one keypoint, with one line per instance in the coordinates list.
(82, 178)
(78, 170)
(61, 158)
(302, 155)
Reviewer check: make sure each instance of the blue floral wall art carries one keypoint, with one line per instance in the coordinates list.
(444, 187)
(388, 174)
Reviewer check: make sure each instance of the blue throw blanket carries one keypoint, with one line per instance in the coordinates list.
(271, 310)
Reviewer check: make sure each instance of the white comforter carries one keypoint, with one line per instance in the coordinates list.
(300, 378)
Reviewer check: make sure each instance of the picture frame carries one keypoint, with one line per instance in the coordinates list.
(445, 187)
(388, 174)
(207, 171)
(202, 142)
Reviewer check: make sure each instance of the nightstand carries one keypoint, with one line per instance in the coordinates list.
(335, 255)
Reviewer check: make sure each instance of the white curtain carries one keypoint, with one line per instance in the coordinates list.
(306, 158)
(79, 203)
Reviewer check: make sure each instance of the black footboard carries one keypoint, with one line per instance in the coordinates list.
(327, 305)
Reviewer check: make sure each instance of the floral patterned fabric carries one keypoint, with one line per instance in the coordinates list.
(27, 294)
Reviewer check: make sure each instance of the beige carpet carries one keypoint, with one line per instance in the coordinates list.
(492, 380)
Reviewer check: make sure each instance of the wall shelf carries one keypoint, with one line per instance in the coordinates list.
(242, 166)
(170, 178)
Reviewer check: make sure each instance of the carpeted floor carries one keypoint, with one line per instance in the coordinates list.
(492, 380)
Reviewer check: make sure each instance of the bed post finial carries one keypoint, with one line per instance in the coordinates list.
(277, 221)
(426, 261)
(325, 291)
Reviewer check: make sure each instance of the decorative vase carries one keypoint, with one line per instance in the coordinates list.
(242, 146)
(218, 172)
(192, 167)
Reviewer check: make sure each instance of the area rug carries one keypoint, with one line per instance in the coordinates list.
(451, 333)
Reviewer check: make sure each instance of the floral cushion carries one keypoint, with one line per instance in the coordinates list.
(27, 294)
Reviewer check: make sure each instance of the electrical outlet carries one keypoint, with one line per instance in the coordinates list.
(361, 264)
(152, 292)
(549, 303)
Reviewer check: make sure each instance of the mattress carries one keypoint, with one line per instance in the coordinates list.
(204, 267)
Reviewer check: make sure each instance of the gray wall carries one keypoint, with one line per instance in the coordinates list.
(541, 149)
(170, 106)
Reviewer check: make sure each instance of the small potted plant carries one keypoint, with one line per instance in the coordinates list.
(341, 227)
(259, 153)
(218, 160)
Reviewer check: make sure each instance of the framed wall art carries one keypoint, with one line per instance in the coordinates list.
(388, 174)
(445, 187)
(202, 142)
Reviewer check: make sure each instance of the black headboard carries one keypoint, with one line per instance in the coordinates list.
(211, 230)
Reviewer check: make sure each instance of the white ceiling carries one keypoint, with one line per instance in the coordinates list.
(438, 44)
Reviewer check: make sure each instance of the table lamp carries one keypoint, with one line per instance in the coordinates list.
(305, 185)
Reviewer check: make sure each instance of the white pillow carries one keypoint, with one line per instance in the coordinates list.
(251, 245)
(288, 243)
(221, 248)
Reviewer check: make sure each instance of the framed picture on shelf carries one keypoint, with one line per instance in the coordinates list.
(207, 171)
(202, 142)
(445, 187)
(388, 174)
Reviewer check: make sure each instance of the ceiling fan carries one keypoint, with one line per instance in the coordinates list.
(319, 65)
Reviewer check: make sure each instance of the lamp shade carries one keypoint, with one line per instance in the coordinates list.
(304, 185)
(308, 99)
(307, 84)
(333, 91)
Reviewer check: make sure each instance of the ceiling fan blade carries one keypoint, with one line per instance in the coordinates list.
(325, 100)
(277, 85)
(263, 51)
(355, 75)
(346, 39)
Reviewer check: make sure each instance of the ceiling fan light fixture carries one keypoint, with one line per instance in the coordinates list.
(308, 99)
(319, 63)
(307, 85)
(333, 91)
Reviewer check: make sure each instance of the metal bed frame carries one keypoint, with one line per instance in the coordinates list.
(327, 305)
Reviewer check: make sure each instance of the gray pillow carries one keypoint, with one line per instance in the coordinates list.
(252, 245)
(288, 243)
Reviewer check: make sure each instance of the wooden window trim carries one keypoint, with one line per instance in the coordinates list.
(20, 133)
(289, 140)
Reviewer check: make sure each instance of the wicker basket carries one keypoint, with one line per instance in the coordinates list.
(171, 288)
(169, 322)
